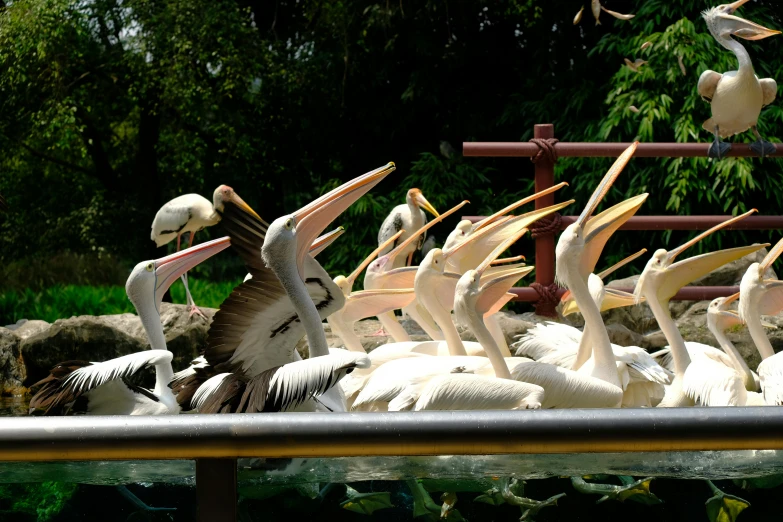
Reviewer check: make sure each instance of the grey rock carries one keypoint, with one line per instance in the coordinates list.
(105, 337)
(12, 369)
(29, 328)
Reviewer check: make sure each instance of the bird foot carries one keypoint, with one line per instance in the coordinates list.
(194, 310)
(366, 503)
(724, 507)
(763, 148)
(718, 150)
(380, 333)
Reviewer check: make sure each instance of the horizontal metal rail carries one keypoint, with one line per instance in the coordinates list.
(686, 293)
(681, 222)
(389, 434)
(602, 150)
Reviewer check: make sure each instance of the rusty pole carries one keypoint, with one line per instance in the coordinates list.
(545, 244)
(603, 150)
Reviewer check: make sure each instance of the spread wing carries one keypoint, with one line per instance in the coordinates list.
(708, 83)
(769, 90)
(57, 392)
(284, 388)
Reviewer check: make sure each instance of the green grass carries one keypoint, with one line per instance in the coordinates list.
(64, 301)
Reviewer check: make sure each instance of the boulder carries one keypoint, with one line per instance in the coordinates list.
(12, 369)
(100, 338)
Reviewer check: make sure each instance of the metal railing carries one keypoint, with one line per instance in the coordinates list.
(216, 441)
(545, 177)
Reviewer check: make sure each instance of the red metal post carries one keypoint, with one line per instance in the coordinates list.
(545, 244)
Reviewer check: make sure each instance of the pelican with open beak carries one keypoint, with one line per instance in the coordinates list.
(736, 97)
(662, 278)
(288, 242)
(759, 296)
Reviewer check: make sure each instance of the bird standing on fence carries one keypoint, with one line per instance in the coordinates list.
(736, 97)
(410, 217)
(188, 213)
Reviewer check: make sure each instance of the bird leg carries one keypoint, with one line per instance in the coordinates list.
(762, 147)
(718, 149)
(191, 303)
(637, 491)
(722, 506)
(410, 259)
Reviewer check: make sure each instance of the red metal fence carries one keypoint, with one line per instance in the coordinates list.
(544, 150)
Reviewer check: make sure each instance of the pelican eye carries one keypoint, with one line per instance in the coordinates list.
(150, 267)
(289, 224)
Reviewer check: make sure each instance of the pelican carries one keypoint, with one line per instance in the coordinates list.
(411, 217)
(736, 97)
(188, 213)
(759, 296)
(253, 337)
(660, 280)
(562, 345)
(101, 388)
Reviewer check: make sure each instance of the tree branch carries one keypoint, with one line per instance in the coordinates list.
(54, 160)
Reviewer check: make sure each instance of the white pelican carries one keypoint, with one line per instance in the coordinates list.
(101, 388)
(253, 337)
(410, 217)
(759, 296)
(562, 345)
(719, 319)
(660, 280)
(735, 97)
(188, 213)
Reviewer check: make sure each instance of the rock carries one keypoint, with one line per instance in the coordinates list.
(25, 328)
(12, 369)
(105, 337)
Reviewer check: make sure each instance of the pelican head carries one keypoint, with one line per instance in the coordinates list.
(460, 232)
(662, 277)
(719, 316)
(417, 199)
(289, 237)
(753, 284)
(151, 279)
(723, 24)
(571, 244)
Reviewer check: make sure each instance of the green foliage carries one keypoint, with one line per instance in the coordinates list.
(41, 501)
(64, 301)
(108, 110)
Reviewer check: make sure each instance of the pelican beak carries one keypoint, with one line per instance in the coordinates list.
(621, 264)
(324, 241)
(423, 203)
(415, 236)
(606, 183)
(314, 217)
(600, 228)
(367, 260)
(736, 5)
(495, 287)
(682, 248)
(770, 258)
(168, 269)
(746, 29)
(502, 247)
(505, 260)
(613, 298)
(487, 220)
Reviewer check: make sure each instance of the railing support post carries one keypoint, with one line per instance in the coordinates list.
(216, 490)
(545, 244)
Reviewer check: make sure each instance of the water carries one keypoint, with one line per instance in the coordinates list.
(325, 489)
